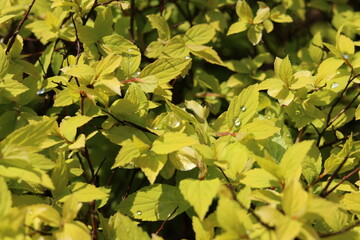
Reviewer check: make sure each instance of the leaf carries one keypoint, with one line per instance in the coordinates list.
(67, 97)
(5, 198)
(171, 142)
(69, 125)
(199, 193)
(161, 26)
(243, 107)
(238, 27)
(284, 69)
(199, 34)
(84, 192)
(43, 213)
(203, 229)
(294, 199)
(255, 34)
(232, 218)
(259, 178)
(154, 203)
(278, 15)
(244, 11)
(70, 209)
(130, 150)
(165, 69)
(84, 72)
(207, 53)
(351, 201)
(327, 70)
(184, 159)
(290, 164)
(151, 165)
(175, 48)
(4, 63)
(357, 113)
(73, 230)
(259, 129)
(126, 229)
(13, 88)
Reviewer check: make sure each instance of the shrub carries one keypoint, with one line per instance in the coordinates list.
(197, 119)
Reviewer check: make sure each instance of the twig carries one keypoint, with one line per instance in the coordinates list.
(339, 140)
(97, 171)
(250, 210)
(167, 218)
(82, 166)
(330, 121)
(342, 180)
(332, 177)
(132, 21)
(129, 185)
(94, 221)
(300, 134)
(90, 12)
(78, 44)
(13, 37)
(341, 231)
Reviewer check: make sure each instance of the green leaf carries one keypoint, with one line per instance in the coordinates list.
(151, 164)
(199, 34)
(126, 229)
(83, 72)
(203, 229)
(165, 69)
(4, 63)
(259, 129)
(232, 218)
(259, 178)
(255, 34)
(244, 11)
(70, 209)
(69, 125)
(12, 88)
(243, 107)
(175, 48)
(238, 27)
(161, 26)
(207, 53)
(357, 113)
(278, 14)
(171, 142)
(67, 96)
(5, 198)
(73, 230)
(294, 199)
(84, 192)
(327, 70)
(184, 159)
(290, 164)
(351, 201)
(130, 150)
(199, 193)
(154, 203)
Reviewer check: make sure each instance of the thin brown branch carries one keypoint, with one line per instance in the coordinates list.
(324, 235)
(339, 140)
(92, 9)
(342, 180)
(13, 37)
(132, 21)
(332, 177)
(167, 218)
(300, 134)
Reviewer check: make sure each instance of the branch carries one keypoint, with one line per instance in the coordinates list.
(330, 121)
(132, 20)
(339, 140)
(342, 180)
(167, 218)
(90, 12)
(341, 231)
(13, 37)
(332, 177)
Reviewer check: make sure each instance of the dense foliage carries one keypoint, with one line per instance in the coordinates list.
(166, 119)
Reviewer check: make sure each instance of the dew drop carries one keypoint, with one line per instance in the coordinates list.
(288, 135)
(268, 117)
(187, 57)
(139, 212)
(155, 128)
(41, 91)
(243, 108)
(334, 85)
(130, 50)
(345, 56)
(237, 122)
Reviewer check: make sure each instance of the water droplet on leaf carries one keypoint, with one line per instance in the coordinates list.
(130, 50)
(243, 108)
(139, 212)
(334, 85)
(345, 56)
(187, 57)
(237, 122)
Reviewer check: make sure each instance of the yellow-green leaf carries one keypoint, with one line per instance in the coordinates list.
(199, 34)
(171, 142)
(161, 26)
(199, 193)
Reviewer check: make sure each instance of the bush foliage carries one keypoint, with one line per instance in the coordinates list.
(165, 119)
